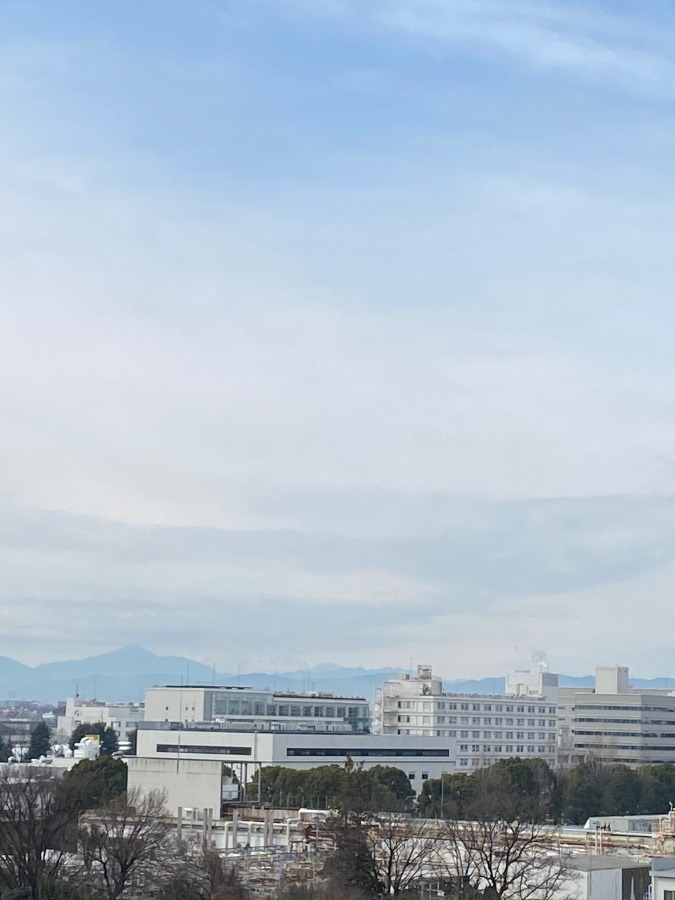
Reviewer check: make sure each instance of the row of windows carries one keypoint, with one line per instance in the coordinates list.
(502, 748)
(634, 708)
(428, 706)
(628, 734)
(226, 706)
(385, 753)
(196, 748)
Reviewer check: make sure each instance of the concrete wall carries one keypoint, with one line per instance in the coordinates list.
(186, 782)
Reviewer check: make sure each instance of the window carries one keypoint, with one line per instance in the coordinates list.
(551, 723)
(475, 707)
(464, 734)
(520, 748)
(487, 734)
(498, 748)
(520, 722)
(475, 748)
(475, 734)
(497, 734)
(475, 720)
(530, 749)
(530, 723)
(520, 735)
(669, 895)
(508, 707)
(551, 710)
(487, 720)
(464, 762)
(498, 721)
(463, 748)
(487, 707)
(411, 776)
(509, 735)
(541, 710)
(509, 749)
(509, 721)
(463, 720)
(425, 775)
(464, 706)
(487, 749)
(530, 709)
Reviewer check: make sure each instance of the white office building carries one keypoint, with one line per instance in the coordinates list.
(614, 723)
(484, 728)
(171, 753)
(123, 718)
(244, 707)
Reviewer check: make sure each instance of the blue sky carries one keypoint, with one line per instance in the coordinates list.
(338, 331)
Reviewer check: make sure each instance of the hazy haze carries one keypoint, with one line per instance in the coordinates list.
(338, 330)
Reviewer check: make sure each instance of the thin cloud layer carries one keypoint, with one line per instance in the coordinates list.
(337, 332)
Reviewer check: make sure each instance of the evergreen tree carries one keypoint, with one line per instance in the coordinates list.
(5, 751)
(40, 741)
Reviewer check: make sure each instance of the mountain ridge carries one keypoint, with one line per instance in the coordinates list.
(124, 674)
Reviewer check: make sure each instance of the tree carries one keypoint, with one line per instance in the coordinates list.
(5, 751)
(40, 741)
(38, 827)
(100, 780)
(128, 838)
(502, 860)
(385, 854)
(107, 736)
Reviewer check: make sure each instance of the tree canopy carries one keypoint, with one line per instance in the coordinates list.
(40, 741)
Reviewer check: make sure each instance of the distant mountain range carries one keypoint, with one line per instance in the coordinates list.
(124, 674)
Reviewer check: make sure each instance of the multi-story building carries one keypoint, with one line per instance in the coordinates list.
(244, 708)
(615, 723)
(484, 728)
(123, 718)
(173, 756)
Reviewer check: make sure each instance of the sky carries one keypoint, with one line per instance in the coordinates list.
(338, 331)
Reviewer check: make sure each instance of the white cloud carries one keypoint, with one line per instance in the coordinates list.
(620, 51)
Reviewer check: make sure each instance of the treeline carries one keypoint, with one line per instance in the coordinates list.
(380, 789)
(529, 790)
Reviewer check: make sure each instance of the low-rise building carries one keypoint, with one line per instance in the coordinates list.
(243, 753)
(244, 707)
(123, 718)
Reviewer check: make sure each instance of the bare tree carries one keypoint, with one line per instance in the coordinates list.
(384, 854)
(125, 840)
(38, 826)
(504, 860)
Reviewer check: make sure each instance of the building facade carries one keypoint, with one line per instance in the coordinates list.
(244, 707)
(123, 718)
(483, 728)
(245, 752)
(614, 723)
